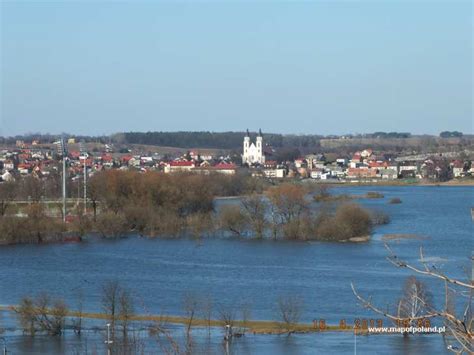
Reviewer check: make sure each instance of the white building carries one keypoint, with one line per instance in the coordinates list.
(253, 152)
(277, 173)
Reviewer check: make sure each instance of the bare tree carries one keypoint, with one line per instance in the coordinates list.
(290, 206)
(166, 342)
(416, 300)
(206, 311)
(42, 314)
(245, 314)
(255, 210)
(110, 303)
(77, 322)
(126, 311)
(227, 317)
(33, 188)
(290, 309)
(7, 195)
(460, 334)
(232, 219)
(190, 305)
(26, 315)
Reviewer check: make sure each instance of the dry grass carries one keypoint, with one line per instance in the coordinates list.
(255, 327)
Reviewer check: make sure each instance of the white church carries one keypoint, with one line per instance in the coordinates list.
(253, 152)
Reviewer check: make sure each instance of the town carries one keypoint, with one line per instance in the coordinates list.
(41, 158)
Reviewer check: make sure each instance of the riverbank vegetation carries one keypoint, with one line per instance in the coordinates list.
(124, 331)
(155, 204)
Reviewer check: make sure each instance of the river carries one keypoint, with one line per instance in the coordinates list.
(257, 273)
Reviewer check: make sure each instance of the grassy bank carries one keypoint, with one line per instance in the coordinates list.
(252, 326)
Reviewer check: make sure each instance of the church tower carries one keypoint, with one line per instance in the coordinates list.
(246, 143)
(253, 152)
(259, 142)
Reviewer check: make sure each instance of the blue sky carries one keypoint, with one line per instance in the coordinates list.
(323, 67)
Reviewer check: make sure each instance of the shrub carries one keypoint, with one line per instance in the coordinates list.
(137, 217)
(328, 229)
(165, 223)
(199, 223)
(349, 221)
(232, 219)
(42, 314)
(81, 225)
(111, 225)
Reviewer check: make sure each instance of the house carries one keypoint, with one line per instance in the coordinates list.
(146, 161)
(107, 160)
(341, 161)
(389, 174)
(300, 162)
(336, 171)
(270, 164)
(221, 168)
(408, 170)
(366, 153)
(310, 159)
(274, 173)
(134, 161)
(179, 166)
(458, 168)
(363, 172)
(225, 168)
(125, 159)
(8, 165)
(316, 173)
(74, 154)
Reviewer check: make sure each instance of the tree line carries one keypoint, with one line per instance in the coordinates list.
(157, 204)
(286, 212)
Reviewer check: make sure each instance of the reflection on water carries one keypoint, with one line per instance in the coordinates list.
(92, 342)
(234, 272)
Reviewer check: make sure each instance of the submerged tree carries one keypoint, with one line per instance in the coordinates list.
(43, 314)
(118, 305)
(290, 206)
(255, 210)
(290, 309)
(415, 301)
(232, 219)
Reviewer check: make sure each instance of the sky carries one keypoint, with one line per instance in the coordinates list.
(320, 67)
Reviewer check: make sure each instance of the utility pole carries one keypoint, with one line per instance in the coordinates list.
(64, 154)
(108, 341)
(85, 185)
(84, 156)
(4, 346)
(355, 340)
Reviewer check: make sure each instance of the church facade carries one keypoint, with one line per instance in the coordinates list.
(253, 152)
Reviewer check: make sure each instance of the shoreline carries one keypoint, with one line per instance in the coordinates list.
(255, 327)
(451, 183)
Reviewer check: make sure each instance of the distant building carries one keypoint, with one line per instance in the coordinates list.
(179, 166)
(274, 172)
(253, 152)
